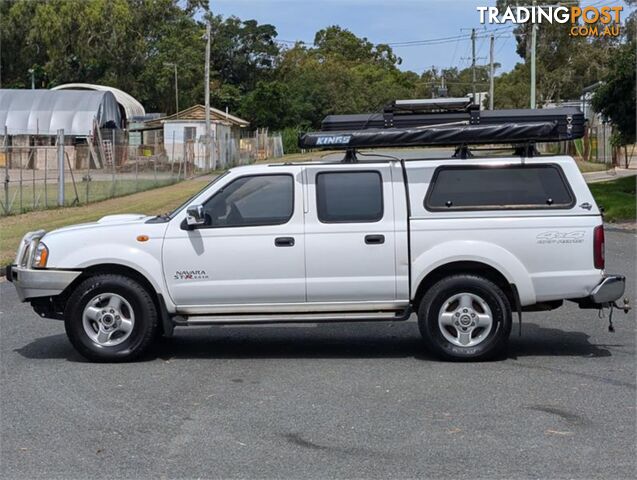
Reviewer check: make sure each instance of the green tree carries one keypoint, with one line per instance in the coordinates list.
(269, 105)
(242, 52)
(565, 64)
(121, 43)
(616, 97)
(511, 89)
(340, 73)
(225, 95)
(339, 43)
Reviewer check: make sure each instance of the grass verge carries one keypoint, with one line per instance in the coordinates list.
(586, 167)
(45, 196)
(617, 197)
(158, 200)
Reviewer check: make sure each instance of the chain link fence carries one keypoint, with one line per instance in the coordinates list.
(41, 172)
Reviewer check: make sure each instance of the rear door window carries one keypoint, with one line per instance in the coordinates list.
(492, 188)
(349, 197)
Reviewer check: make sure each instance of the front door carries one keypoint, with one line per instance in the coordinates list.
(251, 249)
(350, 234)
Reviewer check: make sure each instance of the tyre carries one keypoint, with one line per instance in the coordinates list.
(465, 317)
(110, 318)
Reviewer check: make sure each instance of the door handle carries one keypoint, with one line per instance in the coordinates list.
(374, 239)
(284, 242)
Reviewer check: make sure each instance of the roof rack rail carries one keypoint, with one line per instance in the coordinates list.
(432, 104)
(428, 106)
(445, 122)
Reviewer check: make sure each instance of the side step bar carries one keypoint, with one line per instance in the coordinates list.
(243, 319)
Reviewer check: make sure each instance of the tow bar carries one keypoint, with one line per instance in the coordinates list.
(626, 308)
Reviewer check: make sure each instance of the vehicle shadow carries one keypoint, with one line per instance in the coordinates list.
(50, 348)
(360, 340)
(537, 340)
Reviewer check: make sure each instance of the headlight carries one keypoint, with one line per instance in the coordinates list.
(41, 256)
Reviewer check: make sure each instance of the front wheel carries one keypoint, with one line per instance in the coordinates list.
(110, 318)
(465, 317)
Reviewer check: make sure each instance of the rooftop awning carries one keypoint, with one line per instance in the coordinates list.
(44, 112)
(410, 124)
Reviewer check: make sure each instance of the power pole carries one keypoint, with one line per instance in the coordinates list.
(473, 64)
(60, 152)
(173, 65)
(208, 161)
(533, 48)
(491, 71)
(176, 90)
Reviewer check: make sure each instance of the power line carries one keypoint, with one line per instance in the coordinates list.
(457, 38)
(437, 41)
(455, 51)
(502, 44)
(428, 41)
(483, 40)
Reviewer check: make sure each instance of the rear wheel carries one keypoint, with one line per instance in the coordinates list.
(110, 318)
(465, 317)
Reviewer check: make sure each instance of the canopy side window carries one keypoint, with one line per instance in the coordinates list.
(496, 188)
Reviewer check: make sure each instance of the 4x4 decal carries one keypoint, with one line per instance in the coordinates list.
(561, 237)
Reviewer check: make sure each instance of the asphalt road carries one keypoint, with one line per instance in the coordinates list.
(334, 401)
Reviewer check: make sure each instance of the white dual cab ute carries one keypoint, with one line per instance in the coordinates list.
(463, 242)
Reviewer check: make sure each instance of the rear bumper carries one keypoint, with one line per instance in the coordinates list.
(32, 283)
(610, 289)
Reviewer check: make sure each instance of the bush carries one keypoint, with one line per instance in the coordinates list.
(290, 138)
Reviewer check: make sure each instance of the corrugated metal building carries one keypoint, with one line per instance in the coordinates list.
(44, 112)
(129, 106)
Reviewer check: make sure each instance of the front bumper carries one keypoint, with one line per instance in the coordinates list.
(33, 283)
(41, 282)
(610, 289)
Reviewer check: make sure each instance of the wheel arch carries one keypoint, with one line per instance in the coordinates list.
(477, 256)
(114, 269)
(465, 267)
(127, 271)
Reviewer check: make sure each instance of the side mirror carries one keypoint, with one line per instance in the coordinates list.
(195, 215)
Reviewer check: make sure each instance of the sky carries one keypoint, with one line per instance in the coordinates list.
(392, 21)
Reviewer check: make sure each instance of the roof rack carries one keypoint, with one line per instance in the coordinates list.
(432, 104)
(451, 122)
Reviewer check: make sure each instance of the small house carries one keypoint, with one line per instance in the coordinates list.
(184, 135)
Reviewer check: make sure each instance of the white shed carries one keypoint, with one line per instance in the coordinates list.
(185, 134)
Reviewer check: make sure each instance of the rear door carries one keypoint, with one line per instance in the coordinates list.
(350, 233)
